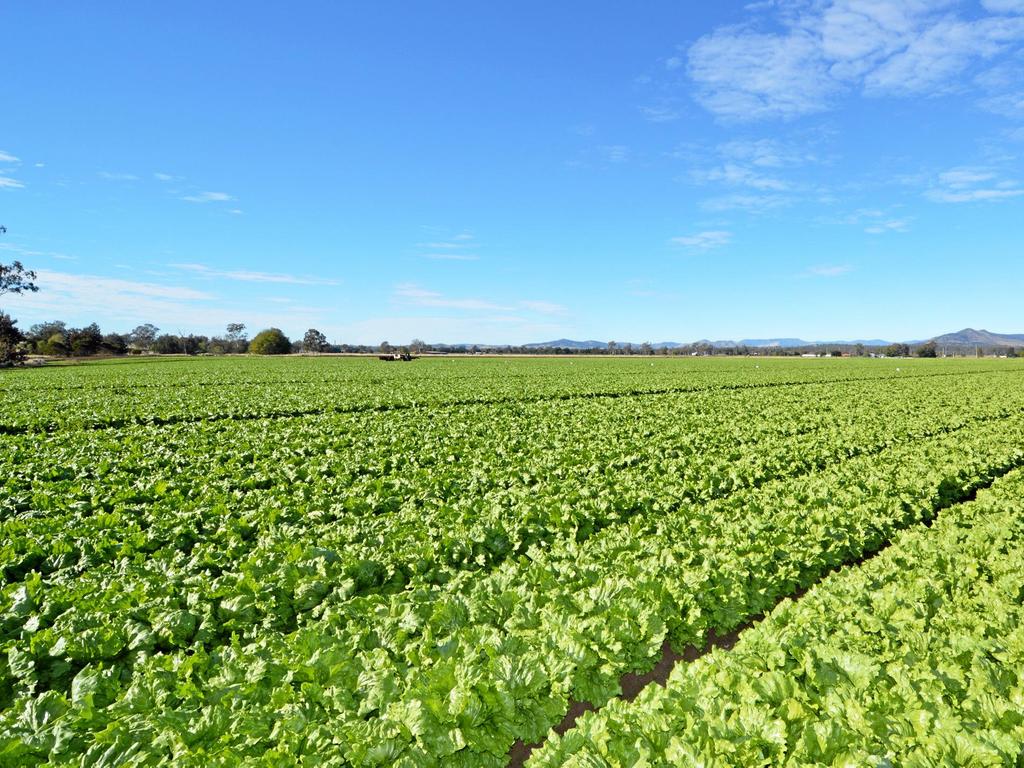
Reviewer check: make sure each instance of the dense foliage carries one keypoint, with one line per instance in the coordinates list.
(914, 660)
(342, 562)
(272, 341)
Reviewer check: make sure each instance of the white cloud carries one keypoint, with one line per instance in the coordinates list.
(208, 197)
(660, 113)
(890, 225)
(451, 256)
(166, 177)
(969, 185)
(704, 241)
(414, 295)
(116, 303)
(973, 195)
(1004, 6)
(410, 293)
(117, 176)
(451, 249)
(249, 276)
(544, 307)
(6, 157)
(749, 203)
(738, 175)
(829, 271)
(94, 290)
(9, 183)
(479, 329)
(447, 246)
(614, 153)
(937, 54)
(743, 75)
(27, 252)
(765, 153)
(876, 46)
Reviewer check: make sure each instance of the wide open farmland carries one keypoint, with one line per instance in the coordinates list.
(341, 562)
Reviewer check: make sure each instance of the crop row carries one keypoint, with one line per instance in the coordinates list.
(443, 673)
(107, 396)
(403, 510)
(913, 659)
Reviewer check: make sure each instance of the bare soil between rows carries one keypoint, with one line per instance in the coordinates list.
(632, 684)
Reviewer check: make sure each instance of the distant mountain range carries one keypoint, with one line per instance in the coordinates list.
(966, 337)
(982, 338)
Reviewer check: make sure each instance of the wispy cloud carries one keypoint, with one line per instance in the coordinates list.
(208, 197)
(969, 185)
(30, 253)
(118, 303)
(451, 256)
(875, 46)
(744, 202)
(544, 307)
(96, 287)
(112, 176)
(410, 293)
(453, 248)
(829, 270)
(739, 175)
(1004, 6)
(166, 177)
(745, 75)
(249, 276)
(889, 225)
(704, 241)
(614, 153)
(876, 221)
(766, 153)
(6, 182)
(665, 111)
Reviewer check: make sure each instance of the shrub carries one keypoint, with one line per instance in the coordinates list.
(270, 342)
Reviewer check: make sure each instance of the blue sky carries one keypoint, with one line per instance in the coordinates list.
(460, 171)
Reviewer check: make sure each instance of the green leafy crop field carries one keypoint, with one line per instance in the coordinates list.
(327, 561)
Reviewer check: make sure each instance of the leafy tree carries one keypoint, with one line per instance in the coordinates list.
(1011, 352)
(115, 343)
(236, 337)
(40, 334)
(858, 350)
(897, 350)
(143, 336)
(85, 341)
(192, 344)
(272, 341)
(416, 346)
(646, 348)
(14, 278)
(12, 347)
(314, 341)
(56, 344)
(928, 349)
(166, 344)
(384, 347)
(611, 347)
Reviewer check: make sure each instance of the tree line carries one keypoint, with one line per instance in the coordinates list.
(57, 339)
